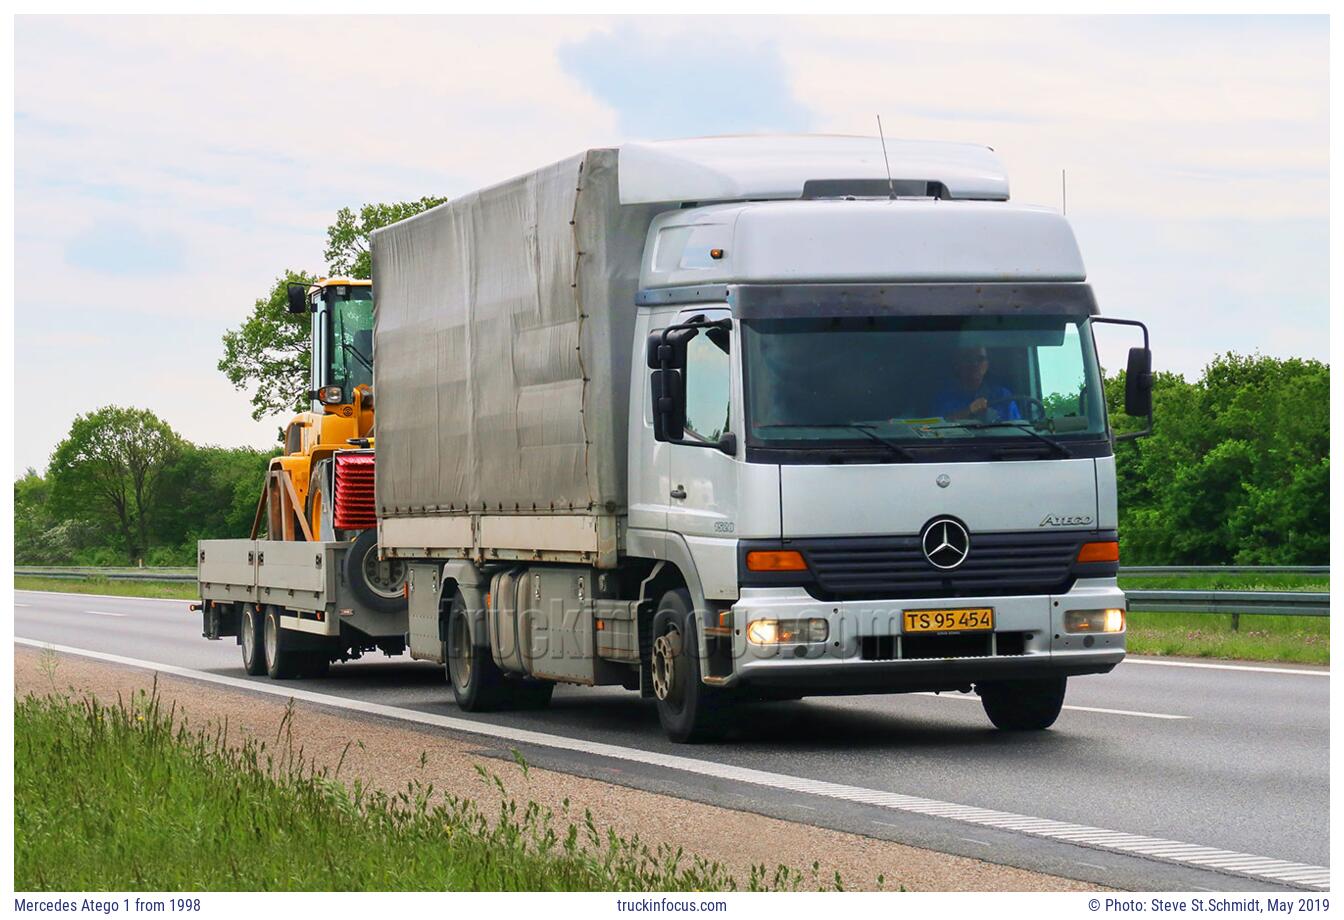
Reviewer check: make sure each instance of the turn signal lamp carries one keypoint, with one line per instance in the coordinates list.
(1108, 551)
(1094, 621)
(788, 560)
(331, 396)
(779, 632)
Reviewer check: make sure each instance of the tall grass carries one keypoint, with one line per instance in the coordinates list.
(128, 796)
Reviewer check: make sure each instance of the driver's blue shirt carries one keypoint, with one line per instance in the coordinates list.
(954, 399)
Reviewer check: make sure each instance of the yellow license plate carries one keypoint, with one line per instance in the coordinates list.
(978, 619)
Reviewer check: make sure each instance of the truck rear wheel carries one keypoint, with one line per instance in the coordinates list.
(378, 584)
(1023, 705)
(282, 662)
(689, 710)
(249, 639)
(478, 683)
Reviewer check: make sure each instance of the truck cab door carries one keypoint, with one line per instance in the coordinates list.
(703, 493)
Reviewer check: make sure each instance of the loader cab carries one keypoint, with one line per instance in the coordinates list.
(342, 340)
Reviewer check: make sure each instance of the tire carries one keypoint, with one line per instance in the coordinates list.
(282, 662)
(1023, 705)
(689, 710)
(478, 684)
(377, 584)
(249, 639)
(530, 694)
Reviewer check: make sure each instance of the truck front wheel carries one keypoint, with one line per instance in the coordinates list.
(1023, 705)
(689, 710)
(249, 638)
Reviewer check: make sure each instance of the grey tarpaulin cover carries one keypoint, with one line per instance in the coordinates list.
(502, 340)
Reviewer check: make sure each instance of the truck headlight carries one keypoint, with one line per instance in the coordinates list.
(780, 632)
(1094, 621)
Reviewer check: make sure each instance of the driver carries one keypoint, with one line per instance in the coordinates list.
(969, 396)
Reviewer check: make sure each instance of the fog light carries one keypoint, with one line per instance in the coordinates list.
(1094, 621)
(779, 632)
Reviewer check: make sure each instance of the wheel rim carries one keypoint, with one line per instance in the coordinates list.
(249, 638)
(271, 641)
(459, 644)
(385, 577)
(667, 685)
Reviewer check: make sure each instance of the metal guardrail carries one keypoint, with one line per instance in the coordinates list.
(1273, 603)
(1224, 570)
(111, 573)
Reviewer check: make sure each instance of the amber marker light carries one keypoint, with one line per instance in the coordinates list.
(787, 560)
(1108, 551)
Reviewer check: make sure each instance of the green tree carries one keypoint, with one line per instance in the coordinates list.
(269, 352)
(110, 469)
(1237, 469)
(214, 492)
(347, 250)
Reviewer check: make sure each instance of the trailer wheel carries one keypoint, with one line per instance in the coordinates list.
(689, 710)
(1023, 705)
(378, 584)
(478, 683)
(249, 638)
(282, 662)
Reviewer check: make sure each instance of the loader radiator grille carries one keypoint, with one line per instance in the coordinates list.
(353, 505)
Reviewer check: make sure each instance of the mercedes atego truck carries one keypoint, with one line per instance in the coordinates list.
(750, 418)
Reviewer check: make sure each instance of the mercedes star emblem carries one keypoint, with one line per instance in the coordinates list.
(946, 543)
(943, 480)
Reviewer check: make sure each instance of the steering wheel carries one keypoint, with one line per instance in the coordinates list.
(1031, 403)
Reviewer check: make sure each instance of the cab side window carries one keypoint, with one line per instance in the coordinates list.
(707, 388)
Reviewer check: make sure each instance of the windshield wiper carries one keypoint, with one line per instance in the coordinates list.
(368, 365)
(1021, 425)
(866, 430)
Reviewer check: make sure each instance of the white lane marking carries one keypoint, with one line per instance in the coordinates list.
(1115, 712)
(1091, 865)
(1277, 870)
(104, 613)
(22, 605)
(109, 597)
(973, 840)
(1324, 672)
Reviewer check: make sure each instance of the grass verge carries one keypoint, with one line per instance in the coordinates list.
(1300, 640)
(1303, 640)
(175, 590)
(129, 797)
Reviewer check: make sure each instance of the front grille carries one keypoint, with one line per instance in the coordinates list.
(997, 564)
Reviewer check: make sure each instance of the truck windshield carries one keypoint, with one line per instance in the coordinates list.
(916, 381)
(351, 339)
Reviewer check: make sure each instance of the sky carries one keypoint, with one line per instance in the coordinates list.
(167, 170)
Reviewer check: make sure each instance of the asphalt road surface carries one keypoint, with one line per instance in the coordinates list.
(1230, 757)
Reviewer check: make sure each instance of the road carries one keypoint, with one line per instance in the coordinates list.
(1232, 758)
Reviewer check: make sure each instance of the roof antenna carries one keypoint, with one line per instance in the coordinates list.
(891, 186)
(1064, 191)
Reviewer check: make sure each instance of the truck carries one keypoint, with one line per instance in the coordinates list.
(747, 419)
(315, 589)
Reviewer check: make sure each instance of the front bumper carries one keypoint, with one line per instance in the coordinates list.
(867, 650)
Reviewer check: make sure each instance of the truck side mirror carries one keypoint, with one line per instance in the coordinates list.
(1139, 383)
(296, 295)
(669, 408)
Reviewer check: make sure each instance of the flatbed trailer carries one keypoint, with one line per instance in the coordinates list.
(289, 606)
